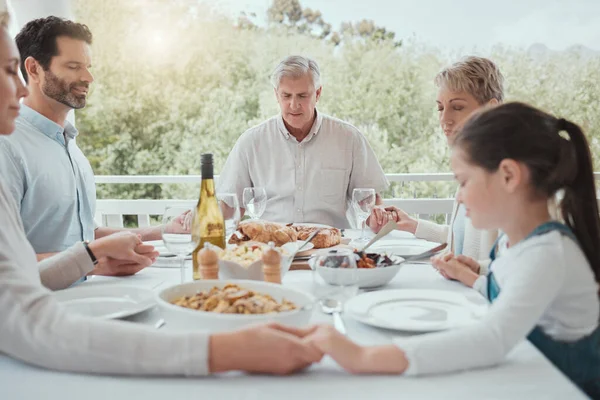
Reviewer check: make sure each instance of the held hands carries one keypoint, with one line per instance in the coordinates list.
(272, 348)
(182, 224)
(380, 216)
(460, 268)
(121, 254)
(354, 358)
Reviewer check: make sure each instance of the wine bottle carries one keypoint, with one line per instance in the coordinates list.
(208, 224)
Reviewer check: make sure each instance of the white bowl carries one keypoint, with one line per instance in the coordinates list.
(367, 277)
(232, 270)
(185, 319)
(374, 277)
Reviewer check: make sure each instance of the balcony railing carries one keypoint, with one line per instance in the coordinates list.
(403, 194)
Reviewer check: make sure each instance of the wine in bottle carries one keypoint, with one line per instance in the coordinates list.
(208, 224)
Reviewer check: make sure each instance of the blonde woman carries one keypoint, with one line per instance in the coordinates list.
(35, 329)
(464, 87)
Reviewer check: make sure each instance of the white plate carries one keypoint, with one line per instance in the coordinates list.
(106, 302)
(399, 250)
(414, 310)
(292, 247)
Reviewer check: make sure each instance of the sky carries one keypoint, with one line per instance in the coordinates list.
(463, 24)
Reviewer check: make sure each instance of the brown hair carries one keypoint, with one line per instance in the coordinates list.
(558, 157)
(478, 76)
(37, 39)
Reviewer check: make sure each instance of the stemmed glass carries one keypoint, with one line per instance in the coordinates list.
(363, 201)
(255, 201)
(335, 280)
(230, 208)
(176, 238)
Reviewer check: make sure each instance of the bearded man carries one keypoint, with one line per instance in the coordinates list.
(49, 177)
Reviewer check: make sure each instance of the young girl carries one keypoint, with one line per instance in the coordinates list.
(464, 87)
(509, 161)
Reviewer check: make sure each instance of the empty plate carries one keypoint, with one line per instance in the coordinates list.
(106, 302)
(414, 310)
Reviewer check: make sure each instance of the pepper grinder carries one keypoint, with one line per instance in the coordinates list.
(209, 263)
(272, 264)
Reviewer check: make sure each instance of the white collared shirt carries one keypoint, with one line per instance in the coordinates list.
(308, 181)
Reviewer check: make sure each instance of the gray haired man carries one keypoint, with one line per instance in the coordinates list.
(308, 162)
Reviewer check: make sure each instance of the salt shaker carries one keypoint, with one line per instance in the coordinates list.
(272, 264)
(209, 263)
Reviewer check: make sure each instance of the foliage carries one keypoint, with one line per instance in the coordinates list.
(175, 79)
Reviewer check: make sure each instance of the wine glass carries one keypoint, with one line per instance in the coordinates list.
(363, 201)
(230, 208)
(176, 239)
(255, 201)
(335, 276)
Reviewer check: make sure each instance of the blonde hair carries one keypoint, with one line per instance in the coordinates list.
(4, 18)
(477, 76)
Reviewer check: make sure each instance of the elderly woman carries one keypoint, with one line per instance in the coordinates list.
(36, 329)
(464, 87)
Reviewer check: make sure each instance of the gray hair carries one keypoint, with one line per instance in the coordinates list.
(295, 67)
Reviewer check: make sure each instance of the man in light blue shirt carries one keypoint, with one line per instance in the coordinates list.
(48, 175)
(51, 180)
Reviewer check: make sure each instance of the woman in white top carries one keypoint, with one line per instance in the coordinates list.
(464, 87)
(35, 329)
(509, 161)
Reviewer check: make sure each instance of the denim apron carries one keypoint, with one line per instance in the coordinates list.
(579, 360)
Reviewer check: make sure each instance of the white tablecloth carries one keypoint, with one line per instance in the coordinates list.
(526, 374)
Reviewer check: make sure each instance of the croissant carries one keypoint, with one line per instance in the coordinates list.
(327, 237)
(265, 232)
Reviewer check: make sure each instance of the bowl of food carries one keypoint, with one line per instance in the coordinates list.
(373, 269)
(244, 261)
(225, 305)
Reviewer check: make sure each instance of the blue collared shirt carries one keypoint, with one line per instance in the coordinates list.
(51, 180)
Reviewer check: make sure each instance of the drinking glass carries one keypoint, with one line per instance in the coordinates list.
(230, 208)
(255, 201)
(335, 275)
(363, 201)
(176, 239)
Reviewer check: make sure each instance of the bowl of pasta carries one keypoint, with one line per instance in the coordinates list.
(225, 305)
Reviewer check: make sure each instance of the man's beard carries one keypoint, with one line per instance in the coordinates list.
(59, 90)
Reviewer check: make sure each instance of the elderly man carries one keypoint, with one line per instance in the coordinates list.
(48, 176)
(308, 162)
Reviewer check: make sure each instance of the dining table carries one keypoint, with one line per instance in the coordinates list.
(524, 374)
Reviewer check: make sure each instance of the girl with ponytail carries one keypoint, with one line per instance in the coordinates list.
(509, 160)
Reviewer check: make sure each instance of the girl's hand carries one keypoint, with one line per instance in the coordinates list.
(354, 358)
(380, 216)
(450, 267)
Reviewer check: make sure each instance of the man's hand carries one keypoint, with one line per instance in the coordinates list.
(121, 254)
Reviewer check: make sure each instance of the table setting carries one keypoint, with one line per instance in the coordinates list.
(373, 288)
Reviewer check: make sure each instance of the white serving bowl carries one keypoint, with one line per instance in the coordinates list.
(187, 319)
(367, 277)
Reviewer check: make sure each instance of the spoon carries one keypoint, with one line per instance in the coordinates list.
(303, 244)
(334, 307)
(387, 228)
